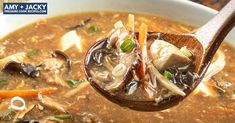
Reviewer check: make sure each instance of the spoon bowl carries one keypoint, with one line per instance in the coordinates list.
(177, 40)
(203, 44)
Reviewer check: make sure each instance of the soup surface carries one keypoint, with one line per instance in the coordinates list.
(64, 93)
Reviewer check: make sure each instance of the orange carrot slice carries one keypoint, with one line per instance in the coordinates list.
(26, 93)
(142, 50)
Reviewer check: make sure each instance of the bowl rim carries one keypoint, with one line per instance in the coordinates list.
(187, 4)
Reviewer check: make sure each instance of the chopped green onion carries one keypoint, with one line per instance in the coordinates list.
(74, 82)
(63, 116)
(186, 52)
(127, 44)
(93, 29)
(168, 74)
(32, 53)
(234, 92)
(2, 83)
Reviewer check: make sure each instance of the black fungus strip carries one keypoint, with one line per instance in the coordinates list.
(131, 87)
(99, 54)
(184, 76)
(87, 21)
(22, 68)
(80, 25)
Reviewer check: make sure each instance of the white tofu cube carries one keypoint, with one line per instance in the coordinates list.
(166, 55)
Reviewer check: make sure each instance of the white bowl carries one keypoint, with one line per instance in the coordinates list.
(180, 10)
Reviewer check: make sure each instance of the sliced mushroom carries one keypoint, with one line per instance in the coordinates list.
(24, 68)
(18, 57)
(47, 101)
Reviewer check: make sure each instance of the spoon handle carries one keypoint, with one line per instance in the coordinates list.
(213, 32)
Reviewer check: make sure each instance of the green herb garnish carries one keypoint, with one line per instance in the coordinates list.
(32, 53)
(186, 52)
(74, 82)
(168, 74)
(93, 29)
(233, 92)
(63, 116)
(2, 83)
(127, 44)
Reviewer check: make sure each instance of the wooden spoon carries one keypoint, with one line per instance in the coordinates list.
(203, 43)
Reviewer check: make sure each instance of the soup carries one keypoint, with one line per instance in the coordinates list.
(140, 70)
(42, 68)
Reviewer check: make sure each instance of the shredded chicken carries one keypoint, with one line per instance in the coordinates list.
(21, 114)
(76, 90)
(52, 64)
(55, 78)
(47, 101)
(50, 119)
(53, 71)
